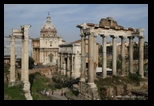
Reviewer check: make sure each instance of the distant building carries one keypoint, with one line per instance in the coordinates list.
(70, 59)
(45, 48)
(97, 52)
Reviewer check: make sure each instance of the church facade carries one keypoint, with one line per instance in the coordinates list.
(46, 47)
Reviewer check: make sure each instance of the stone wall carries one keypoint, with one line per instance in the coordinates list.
(121, 90)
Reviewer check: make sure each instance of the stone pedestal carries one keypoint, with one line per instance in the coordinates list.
(87, 93)
(26, 90)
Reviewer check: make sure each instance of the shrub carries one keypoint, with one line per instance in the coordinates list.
(135, 77)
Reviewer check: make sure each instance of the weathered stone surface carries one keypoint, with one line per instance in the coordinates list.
(107, 22)
(26, 90)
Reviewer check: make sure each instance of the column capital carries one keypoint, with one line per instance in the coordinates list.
(103, 35)
(82, 35)
(122, 37)
(141, 37)
(113, 36)
(130, 37)
(95, 36)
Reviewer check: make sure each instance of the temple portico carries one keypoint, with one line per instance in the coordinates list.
(109, 27)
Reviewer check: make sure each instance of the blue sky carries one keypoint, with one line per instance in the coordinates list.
(65, 17)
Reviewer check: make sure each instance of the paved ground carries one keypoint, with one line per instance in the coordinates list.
(57, 94)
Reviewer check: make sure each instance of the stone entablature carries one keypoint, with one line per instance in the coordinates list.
(70, 48)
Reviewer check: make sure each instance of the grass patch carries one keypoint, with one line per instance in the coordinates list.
(38, 83)
(13, 93)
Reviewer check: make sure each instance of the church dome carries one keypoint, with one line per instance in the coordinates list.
(48, 24)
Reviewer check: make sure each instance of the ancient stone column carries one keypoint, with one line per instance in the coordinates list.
(68, 66)
(95, 61)
(91, 61)
(26, 57)
(141, 56)
(12, 68)
(104, 73)
(82, 77)
(114, 54)
(22, 65)
(123, 62)
(26, 82)
(131, 53)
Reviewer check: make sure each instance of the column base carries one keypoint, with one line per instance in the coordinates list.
(92, 85)
(12, 83)
(82, 80)
(123, 75)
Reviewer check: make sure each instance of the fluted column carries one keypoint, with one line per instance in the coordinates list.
(22, 65)
(123, 62)
(114, 54)
(91, 61)
(12, 68)
(83, 63)
(141, 56)
(104, 73)
(131, 54)
(95, 61)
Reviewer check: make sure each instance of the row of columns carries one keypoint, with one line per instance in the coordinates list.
(68, 70)
(25, 60)
(91, 59)
(25, 57)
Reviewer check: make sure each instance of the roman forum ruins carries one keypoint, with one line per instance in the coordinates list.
(23, 33)
(108, 27)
